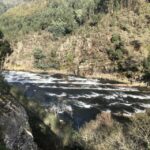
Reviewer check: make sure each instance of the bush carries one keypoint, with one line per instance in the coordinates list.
(38, 58)
(146, 66)
(53, 61)
(5, 49)
(115, 54)
(147, 63)
(115, 38)
(118, 51)
(139, 132)
(130, 64)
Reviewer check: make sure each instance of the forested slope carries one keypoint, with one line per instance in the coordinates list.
(82, 37)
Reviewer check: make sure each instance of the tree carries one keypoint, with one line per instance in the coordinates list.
(5, 49)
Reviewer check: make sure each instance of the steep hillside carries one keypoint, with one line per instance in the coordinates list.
(83, 38)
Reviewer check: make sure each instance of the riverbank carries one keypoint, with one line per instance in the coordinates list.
(117, 78)
(86, 98)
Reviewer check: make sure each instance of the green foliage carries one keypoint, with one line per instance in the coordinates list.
(57, 17)
(115, 38)
(70, 58)
(52, 61)
(124, 62)
(38, 58)
(130, 64)
(146, 65)
(115, 54)
(43, 61)
(5, 49)
(38, 54)
(2, 147)
(118, 51)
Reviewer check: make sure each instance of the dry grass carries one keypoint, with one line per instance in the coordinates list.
(106, 134)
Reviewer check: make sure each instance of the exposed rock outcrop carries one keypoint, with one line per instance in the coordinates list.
(14, 127)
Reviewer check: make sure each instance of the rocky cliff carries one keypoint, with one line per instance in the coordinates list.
(15, 132)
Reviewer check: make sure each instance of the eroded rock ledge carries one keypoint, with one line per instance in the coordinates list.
(14, 127)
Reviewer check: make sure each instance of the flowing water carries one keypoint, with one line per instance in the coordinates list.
(79, 99)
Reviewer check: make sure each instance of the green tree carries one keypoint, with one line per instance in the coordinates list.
(5, 49)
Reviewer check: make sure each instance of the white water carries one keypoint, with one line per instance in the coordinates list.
(69, 94)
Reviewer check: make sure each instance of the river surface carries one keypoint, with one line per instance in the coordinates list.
(79, 99)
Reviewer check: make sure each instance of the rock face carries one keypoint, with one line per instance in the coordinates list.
(14, 127)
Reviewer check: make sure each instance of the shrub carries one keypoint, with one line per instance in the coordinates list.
(129, 64)
(115, 54)
(147, 63)
(139, 132)
(59, 28)
(53, 61)
(118, 51)
(146, 66)
(5, 49)
(38, 58)
(115, 38)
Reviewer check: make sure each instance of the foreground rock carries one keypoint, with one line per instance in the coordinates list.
(15, 132)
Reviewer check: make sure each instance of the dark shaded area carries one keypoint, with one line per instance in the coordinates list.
(43, 136)
(121, 119)
(5, 49)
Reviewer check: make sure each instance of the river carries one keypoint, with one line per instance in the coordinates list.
(79, 99)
